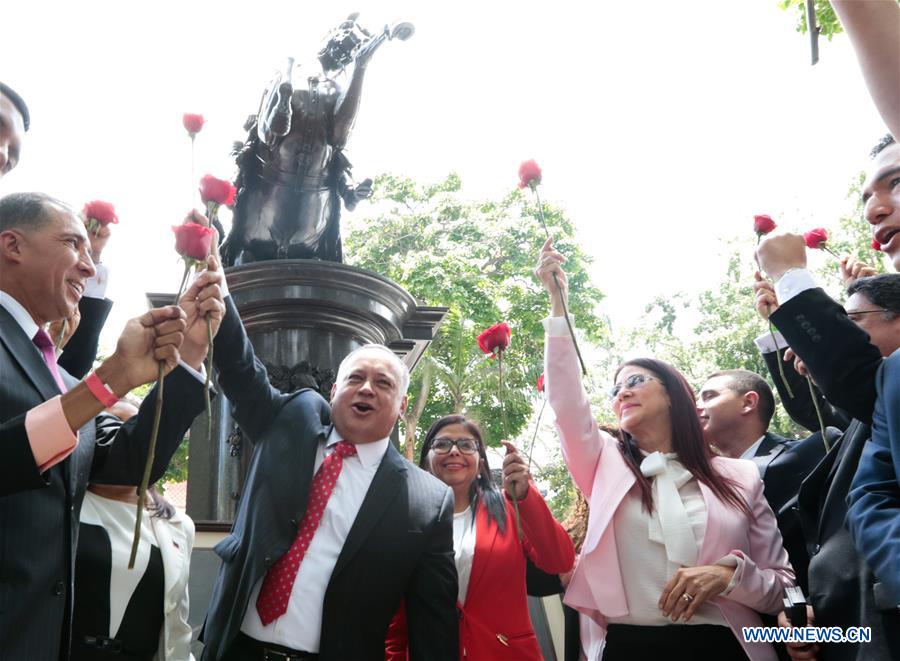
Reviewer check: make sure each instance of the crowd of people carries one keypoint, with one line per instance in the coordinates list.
(694, 521)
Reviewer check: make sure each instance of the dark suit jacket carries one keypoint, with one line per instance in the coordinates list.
(400, 545)
(783, 465)
(81, 350)
(836, 351)
(39, 511)
(874, 514)
(801, 407)
(843, 363)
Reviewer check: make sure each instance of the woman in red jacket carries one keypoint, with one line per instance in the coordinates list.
(490, 557)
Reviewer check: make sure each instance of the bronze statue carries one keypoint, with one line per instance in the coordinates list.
(293, 173)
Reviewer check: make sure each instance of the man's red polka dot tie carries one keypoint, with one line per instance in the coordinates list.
(276, 588)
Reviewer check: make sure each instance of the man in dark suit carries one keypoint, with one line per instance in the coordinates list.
(52, 435)
(843, 362)
(874, 514)
(735, 408)
(842, 588)
(315, 576)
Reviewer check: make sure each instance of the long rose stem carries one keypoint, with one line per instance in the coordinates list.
(830, 251)
(209, 367)
(193, 180)
(784, 382)
(565, 306)
(536, 427)
(151, 450)
(512, 496)
(812, 393)
(62, 334)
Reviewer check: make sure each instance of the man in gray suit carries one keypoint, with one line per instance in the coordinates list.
(323, 548)
(53, 436)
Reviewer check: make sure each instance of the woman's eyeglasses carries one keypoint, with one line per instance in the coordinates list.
(632, 382)
(443, 445)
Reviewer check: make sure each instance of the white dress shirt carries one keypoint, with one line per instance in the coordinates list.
(463, 549)
(300, 627)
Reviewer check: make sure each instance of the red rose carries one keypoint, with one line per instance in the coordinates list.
(529, 174)
(193, 241)
(815, 238)
(876, 245)
(216, 190)
(540, 383)
(763, 224)
(193, 123)
(495, 338)
(102, 212)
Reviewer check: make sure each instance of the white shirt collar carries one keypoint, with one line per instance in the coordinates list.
(370, 454)
(20, 314)
(750, 452)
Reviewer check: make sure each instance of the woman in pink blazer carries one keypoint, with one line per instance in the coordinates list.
(681, 550)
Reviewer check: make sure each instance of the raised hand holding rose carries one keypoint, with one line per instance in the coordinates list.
(530, 175)
(777, 254)
(516, 476)
(98, 214)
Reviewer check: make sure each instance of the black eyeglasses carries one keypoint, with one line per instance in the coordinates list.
(856, 312)
(443, 445)
(632, 382)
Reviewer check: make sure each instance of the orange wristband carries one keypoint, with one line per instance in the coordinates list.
(100, 390)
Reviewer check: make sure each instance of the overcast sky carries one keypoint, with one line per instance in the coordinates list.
(661, 126)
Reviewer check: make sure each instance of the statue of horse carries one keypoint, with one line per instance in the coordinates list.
(293, 174)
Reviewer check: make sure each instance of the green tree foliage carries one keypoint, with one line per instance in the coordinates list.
(826, 20)
(475, 257)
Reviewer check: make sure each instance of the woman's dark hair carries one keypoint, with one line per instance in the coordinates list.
(483, 488)
(161, 507)
(687, 438)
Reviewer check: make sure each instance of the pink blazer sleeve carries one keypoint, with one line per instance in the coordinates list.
(581, 439)
(766, 570)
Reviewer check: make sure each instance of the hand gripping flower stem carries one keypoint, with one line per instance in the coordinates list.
(533, 186)
(151, 450)
(512, 496)
(812, 393)
(760, 232)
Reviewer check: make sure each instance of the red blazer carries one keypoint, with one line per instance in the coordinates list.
(494, 623)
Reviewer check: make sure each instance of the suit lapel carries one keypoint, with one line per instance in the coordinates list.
(766, 453)
(23, 350)
(486, 535)
(386, 484)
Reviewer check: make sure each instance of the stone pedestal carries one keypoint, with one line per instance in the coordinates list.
(303, 317)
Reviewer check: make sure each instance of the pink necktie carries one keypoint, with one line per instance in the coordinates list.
(279, 582)
(43, 342)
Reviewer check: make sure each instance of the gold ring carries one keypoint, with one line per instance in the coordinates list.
(687, 597)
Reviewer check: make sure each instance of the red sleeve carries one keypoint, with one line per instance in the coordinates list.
(545, 541)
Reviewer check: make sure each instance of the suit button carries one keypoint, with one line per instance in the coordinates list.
(268, 560)
(58, 588)
(816, 338)
(817, 549)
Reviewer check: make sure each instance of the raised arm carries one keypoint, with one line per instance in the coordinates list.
(546, 543)
(874, 30)
(581, 439)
